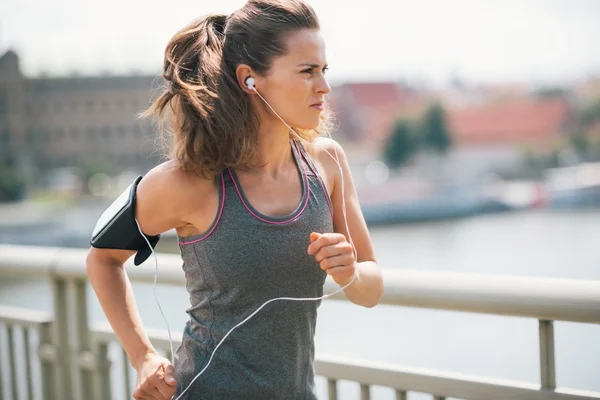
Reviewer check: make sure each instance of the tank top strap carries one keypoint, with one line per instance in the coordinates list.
(312, 172)
(303, 158)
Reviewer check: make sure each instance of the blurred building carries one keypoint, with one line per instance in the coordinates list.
(54, 122)
(494, 136)
(537, 123)
(491, 126)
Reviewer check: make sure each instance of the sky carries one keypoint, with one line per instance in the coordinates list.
(536, 41)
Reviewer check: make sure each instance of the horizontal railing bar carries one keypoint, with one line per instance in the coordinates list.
(534, 297)
(29, 260)
(442, 383)
(24, 317)
(447, 384)
(551, 299)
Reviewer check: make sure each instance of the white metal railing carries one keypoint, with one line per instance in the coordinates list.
(74, 356)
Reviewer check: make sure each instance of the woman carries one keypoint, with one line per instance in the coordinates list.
(258, 208)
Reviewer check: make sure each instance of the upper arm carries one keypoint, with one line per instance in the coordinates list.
(161, 200)
(348, 220)
(159, 207)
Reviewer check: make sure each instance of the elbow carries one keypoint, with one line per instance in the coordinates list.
(96, 259)
(376, 293)
(370, 288)
(370, 300)
(374, 301)
(92, 265)
(369, 303)
(92, 261)
(89, 261)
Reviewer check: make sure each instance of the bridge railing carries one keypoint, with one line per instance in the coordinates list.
(73, 360)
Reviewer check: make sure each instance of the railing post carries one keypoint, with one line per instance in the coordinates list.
(401, 395)
(12, 370)
(365, 392)
(64, 384)
(28, 363)
(547, 365)
(102, 378)
(83, 360)
(332, 389)
(48, 359)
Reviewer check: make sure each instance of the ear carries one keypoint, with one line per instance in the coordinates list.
(242, 73)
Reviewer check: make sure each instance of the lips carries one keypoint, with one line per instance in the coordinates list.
(318, 105)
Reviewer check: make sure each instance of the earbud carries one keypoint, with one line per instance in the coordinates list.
(250, 83)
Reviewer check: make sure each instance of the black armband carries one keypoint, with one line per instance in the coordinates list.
(117, 228)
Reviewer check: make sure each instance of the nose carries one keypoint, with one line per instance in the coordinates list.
(322, 86)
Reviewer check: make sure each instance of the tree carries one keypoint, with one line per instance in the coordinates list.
(401, 144)
(589, 114)
(580, 139)
(12, 187)
(581, 143)
(551, 91)
(93, 165)
(433, 131)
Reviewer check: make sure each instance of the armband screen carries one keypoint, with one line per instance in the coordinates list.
(117, 228)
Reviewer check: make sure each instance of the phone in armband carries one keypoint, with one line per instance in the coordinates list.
(117, 227)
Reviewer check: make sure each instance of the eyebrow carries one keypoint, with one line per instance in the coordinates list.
(310, 65)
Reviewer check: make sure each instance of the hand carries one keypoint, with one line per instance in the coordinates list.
(334, 254)
(155, 379)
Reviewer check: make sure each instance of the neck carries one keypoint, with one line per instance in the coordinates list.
(274, 154)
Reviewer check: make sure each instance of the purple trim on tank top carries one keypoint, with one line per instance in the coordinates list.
(276, 222)
(319, 179)
(218, 218)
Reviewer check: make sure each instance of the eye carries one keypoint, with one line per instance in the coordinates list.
(307, 71)
(325, 69)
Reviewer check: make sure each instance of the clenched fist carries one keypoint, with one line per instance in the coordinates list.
(155, 379)
(334, 254)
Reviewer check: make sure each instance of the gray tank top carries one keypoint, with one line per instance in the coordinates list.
(244, 259)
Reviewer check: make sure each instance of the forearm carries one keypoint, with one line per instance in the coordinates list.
(367, 288)
(115, 294)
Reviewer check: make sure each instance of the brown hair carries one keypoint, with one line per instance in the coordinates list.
(209, 115)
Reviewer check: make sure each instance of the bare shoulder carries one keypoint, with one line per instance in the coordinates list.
(321, 145)
(166, 194)
(166, 181)
(326, 152)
